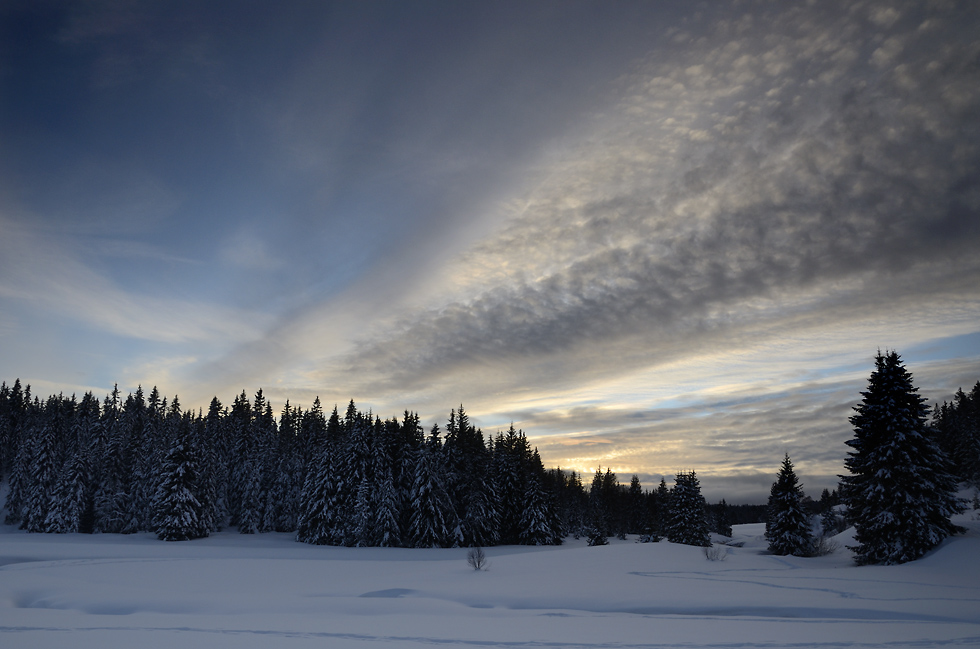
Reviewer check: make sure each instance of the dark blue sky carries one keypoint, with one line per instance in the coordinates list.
(657, 236)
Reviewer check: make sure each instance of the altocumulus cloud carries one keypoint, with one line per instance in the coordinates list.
(780, 163)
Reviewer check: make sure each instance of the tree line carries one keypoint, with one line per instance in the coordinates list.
(136, 464)
(143, 464)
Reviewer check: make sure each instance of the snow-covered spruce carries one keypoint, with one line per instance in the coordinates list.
(900, 493)
(176, 508)
(687, 522)
(432, 514)
(787, 522)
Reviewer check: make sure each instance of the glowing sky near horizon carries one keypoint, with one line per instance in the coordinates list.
(657, 236)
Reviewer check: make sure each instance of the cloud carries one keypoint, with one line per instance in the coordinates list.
(769, 162)
(733, 438)
(41, 270)
(247, 251)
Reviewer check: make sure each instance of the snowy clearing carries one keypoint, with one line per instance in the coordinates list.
(231, 590)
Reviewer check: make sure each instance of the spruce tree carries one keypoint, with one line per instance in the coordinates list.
(43, 468)
(432, 512)
(509, 468)
(72, 495)
(661, 516)
(212, 442)
(147, 427)
(687, 522)
(482, 519)
(256, 430)
(900, 493)
(177, 510)
(598, 526)
(722, 519)
(318, 522)
(17, 485)
(574, 502)
(535, 526)
(18, 401)
(787, 523)
(635, 507)
(387, 532)
(309, 509)
(282, 499)
(355, 479)
(250, 510)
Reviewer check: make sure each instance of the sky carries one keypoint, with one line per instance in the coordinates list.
(656, 236)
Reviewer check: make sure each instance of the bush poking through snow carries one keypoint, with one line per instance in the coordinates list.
(824, 545)
(477, 558)
(715, 552)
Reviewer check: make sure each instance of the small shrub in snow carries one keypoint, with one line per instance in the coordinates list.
(477, 558)
(824, 545)
(715, 553)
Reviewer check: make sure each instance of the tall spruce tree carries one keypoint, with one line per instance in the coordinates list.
(72, 495)
(661, 515)
(598, 526)
(509, 468)
(214, 456)
(44, 465)
(146, 426)
(635, 507)
(535, 523)
(687, 521)
(112, 468)
(282, 498)
(387, 531)
(900, 493)
(178, 514)
(787, 523)
(317, 501)
(432, 512)
(14, 422)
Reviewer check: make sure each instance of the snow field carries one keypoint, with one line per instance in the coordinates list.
(231, 590)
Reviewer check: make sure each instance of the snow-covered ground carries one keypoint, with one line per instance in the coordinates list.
(269, 591)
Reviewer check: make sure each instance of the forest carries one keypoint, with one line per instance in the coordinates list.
(141, 463)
